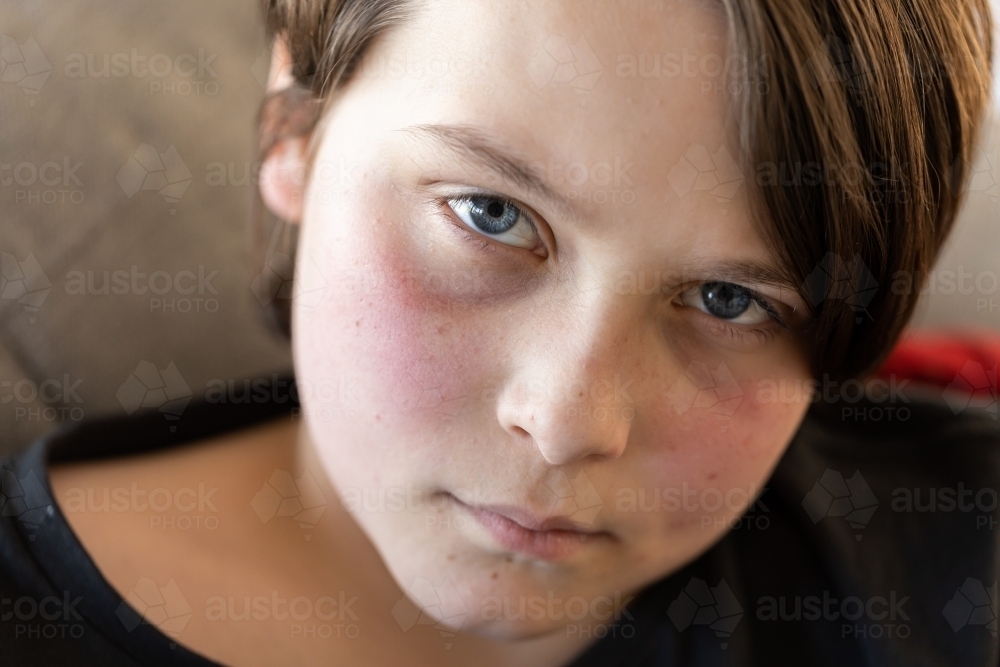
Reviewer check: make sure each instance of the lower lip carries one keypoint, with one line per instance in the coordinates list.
(549, 545)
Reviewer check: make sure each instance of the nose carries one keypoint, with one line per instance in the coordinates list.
(573, 394)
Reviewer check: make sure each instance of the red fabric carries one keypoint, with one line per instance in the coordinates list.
(960, 361)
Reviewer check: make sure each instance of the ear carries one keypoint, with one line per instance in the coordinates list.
(282, 178)
(282, 174)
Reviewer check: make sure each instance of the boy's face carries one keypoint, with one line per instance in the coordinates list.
(561, 408)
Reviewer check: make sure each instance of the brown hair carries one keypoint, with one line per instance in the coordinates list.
(881, 101)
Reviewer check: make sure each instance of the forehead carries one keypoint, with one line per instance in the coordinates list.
(622, 105)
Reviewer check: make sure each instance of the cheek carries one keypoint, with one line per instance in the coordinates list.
(713, 455)
(423, 353)
(412, 358)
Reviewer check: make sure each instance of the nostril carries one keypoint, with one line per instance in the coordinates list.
(519, 431)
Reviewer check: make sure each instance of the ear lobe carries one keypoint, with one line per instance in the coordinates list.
(282, 179)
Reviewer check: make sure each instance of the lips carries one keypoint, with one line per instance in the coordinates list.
(551, 538)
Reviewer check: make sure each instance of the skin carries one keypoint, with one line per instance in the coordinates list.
(437, 363)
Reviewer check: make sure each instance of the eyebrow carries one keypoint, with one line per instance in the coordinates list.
(478, 147)
(747, 271)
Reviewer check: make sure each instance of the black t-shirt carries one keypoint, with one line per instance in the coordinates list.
(873, 543)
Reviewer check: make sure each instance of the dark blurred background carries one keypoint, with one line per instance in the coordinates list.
(126, 176)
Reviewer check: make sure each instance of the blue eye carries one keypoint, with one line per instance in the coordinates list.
(492, 216)
(725, 300)
(496, 218)
(730, 302)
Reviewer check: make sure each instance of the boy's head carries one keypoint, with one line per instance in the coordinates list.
(557, 257)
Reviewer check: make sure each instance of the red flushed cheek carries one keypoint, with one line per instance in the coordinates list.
(424, 353)
(723, 440)
(707, 465)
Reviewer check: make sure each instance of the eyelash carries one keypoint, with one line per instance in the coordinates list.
(488, 245)
(740, 335)
(760, 334)
(482, 241)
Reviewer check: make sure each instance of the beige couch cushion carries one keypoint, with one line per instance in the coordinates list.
(77, 204)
